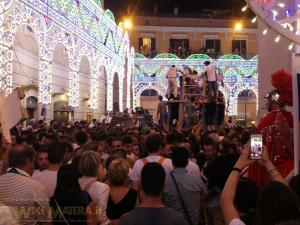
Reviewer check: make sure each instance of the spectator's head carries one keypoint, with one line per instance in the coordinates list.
(206, 63)
(180, 157)
(209, 150)
(22, 157)
(118, 172)
(276, 203)
(42, 158)
(67, 182)
(295, 186)
(154, 143)
(218, 170)
(91, 146)
(128, 144)
(81, 138)
(160, 98)
(49, 139)
(68, 148)
(89, 164)
(116, 144)
(41, 136)
(173, 66)
(56, 153)
(152, 179)
(236, 141)
(31, 139)
(60, 133)
(245, 199)
(136, 149)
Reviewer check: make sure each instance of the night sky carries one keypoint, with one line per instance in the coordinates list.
(120, 7)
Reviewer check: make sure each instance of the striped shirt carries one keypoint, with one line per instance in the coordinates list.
(26, 196)
(1, 165)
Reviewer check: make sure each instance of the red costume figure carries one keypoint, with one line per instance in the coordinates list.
(276, 128)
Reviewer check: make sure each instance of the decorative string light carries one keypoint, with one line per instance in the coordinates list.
(278, 17)
(244, 9)
(277, 39)
(254, 20)
(291, 46)
(265, 31)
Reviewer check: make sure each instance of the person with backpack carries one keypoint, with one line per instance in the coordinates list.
(153, 145)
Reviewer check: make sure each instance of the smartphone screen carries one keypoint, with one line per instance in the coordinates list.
(256, 149)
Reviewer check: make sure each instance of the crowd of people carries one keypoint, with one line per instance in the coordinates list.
(97, 173)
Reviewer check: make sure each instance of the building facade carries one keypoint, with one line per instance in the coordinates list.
(71, 58)
(154, 35)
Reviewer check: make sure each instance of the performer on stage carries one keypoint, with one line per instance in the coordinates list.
(277, 129)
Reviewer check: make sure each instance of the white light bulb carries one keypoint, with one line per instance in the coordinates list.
(254, 20)
(265, 31)
(277, 39)
(281, 5)
(244, 8)
(275, 13)
(291, 46)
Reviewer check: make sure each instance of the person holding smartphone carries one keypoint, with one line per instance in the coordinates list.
(276, 202)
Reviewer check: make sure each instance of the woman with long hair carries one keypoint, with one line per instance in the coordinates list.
(70, 205)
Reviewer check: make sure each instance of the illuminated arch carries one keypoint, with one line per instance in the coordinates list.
(137, 95)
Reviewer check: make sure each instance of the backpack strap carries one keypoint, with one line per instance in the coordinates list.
(145, 161)
(187, 216)
(161, 160)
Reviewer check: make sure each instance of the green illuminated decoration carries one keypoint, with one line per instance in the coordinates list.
(166, 56)
(231, 57)
(198, 56)
(110, 15)
(139, 56)
(98, 2)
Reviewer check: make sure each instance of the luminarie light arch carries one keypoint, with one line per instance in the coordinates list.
(80, 23)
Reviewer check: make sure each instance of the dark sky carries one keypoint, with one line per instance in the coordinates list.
(119, 7)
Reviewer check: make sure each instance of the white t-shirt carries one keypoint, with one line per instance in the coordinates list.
(135, 174)
(172, 73)
(186, 72)
(193, 169)
(236, 221)
(211, 73)
(48, 179)
(99, 193)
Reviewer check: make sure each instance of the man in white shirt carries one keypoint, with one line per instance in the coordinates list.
(172, 83)
(210, 72)
(153, 144)
(48, 177)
